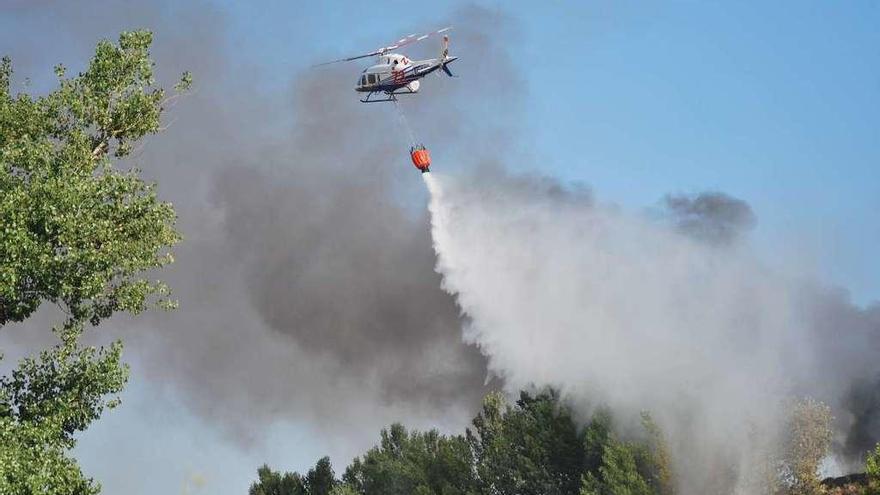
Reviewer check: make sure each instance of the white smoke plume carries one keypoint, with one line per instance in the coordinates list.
(616, 309)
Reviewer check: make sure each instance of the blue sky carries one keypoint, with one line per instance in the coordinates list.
(777, 103)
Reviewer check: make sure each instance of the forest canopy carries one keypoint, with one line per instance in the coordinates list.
(535, 446)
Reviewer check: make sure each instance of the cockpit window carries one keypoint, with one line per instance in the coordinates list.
(363, 80)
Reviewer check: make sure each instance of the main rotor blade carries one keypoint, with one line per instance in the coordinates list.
(349, 59)
(411, 39)
(407, 40)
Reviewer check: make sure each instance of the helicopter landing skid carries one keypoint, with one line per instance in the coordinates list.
(392, 96)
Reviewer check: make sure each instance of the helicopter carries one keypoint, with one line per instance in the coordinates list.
(395, 74)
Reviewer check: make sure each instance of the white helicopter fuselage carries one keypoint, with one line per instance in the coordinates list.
(396, 74)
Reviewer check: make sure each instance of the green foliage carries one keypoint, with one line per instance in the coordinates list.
(658, 460)
(618, 474)
(532, 447)
(320, 479)
(44, 403)
(343, 489)
(271, 482)
(596, 435)
(872, 470)
(76, 231)
(406, 463)
(615, 467)
(80, 234)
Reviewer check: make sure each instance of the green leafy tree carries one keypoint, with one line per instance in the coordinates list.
(77, 231)
(81, 234)
(656, 460)
(413, 463)
(271, 482)
(343, 489)
(618, 474)
(43, 403)
(614, 467)
(872, 471)
(596, 435)
(320, 479)
(532, 447)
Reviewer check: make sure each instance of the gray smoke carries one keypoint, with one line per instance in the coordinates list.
(710, 216)
(846, 342)
(845, 339)
(862, 405)
(306, 279)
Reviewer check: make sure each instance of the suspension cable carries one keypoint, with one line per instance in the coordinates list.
(401, 117)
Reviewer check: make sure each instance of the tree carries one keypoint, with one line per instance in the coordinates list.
(806, 442)
(658, 460)
(597, 434)
(271, 482)
(81, 234)
(320, 479)
(78, 232)
(343, 489)
(613, 467)
(872, 471)
(533, 447)
(413, 463)
(618, 474)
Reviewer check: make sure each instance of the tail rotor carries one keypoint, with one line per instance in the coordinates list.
(444, 58)
(444, 49)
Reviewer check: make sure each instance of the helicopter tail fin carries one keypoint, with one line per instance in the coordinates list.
(444, 48)
(445, 59)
